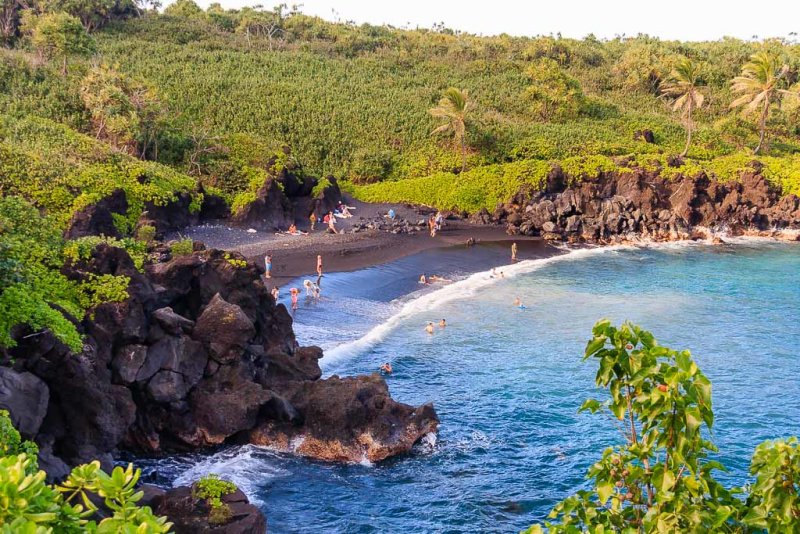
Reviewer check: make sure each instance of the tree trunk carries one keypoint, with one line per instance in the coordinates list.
(688, 131)
(762, 126)
(65, 65)
(463, 155)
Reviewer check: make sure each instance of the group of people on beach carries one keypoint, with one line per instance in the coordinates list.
(313, 289)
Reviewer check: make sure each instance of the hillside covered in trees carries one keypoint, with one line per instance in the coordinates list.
(214, 94)
(99, 95)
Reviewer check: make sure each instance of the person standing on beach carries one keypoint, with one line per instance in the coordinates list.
(268, 265)
(332, 223)
(514, 251)
(313, 219)
(319, 265)
(276, 293)
(294, 292)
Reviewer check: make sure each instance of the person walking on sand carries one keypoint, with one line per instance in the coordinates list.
(514, 251)
(429, 328)
(313, 219)
(332, 223)
(268, 265)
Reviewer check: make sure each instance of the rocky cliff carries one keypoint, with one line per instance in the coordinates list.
(643, 204)
(198, 355)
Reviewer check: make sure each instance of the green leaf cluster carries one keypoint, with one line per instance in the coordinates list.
(661, 478)
(29, 505)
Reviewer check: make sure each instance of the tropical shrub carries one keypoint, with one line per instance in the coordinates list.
(661, 478)
(182, 247)
(212, 489)
(32, 288)
(29, 505)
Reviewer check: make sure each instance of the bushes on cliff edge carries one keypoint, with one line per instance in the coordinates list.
(29, 505)
(33, 291)
(488, 185)
(661, 478)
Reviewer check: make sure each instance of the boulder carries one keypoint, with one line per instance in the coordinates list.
(225, 329)
(225, 404)
(348, 420)
(327, 198)
(98, 218)
(173, 215)
(171, 322)
(25, 397)
(270, 210)
(127, 362)
(190, 515)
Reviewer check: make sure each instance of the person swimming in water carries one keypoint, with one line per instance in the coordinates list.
(442, 323)
(429, 328)
(518, 303)
(435, 278)
(386, 368)
(423, 279)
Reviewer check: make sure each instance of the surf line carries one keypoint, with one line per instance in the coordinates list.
(460, 289)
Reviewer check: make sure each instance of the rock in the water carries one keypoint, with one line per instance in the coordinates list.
(191, 515)
(348, 420)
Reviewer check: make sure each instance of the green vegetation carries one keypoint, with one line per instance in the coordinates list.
(182, 247)
(32, 253)
(684, 87)
(29, 505)
(294, 92)
(661, 478)
(212, 489)
(454, 108)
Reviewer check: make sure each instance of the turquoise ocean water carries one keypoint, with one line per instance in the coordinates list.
(507, 382)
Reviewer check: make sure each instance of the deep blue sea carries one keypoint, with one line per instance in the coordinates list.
(507, 382)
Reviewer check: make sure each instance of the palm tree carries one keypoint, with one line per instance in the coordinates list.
(684, 87)
(759, 86)
(453, 108)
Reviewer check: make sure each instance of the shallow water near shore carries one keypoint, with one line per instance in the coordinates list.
(507, 382)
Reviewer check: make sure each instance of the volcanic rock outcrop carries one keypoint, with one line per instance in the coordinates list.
(198, 355)
(643, 204)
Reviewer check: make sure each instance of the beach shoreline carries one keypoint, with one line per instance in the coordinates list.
(295, 256)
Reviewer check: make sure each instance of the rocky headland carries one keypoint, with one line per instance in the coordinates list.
(198, 355)
(644, 205)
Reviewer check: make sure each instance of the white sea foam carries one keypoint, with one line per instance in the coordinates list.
(245, 466)
(461, 289)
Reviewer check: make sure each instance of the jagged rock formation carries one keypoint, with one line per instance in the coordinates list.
(190, 515)
(643, 204)
(271, 209)
(199, 354)
(327, 199)
(98, 218)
